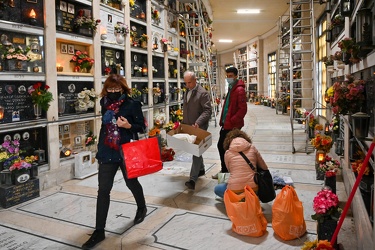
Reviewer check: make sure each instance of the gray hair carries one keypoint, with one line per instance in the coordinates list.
(190, 74)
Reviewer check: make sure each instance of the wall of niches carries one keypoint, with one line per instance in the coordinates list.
(30, 140)
(31, 46)
(70, 91)
(16, 100)
(23, 12)
(110, 59)
(67, 12)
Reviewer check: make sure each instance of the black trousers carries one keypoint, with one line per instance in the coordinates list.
(106, 176)
(220, 147)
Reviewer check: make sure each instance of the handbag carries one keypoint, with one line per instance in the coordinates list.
(263, 178)
(141, 157)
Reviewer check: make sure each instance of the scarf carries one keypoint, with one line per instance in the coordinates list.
(113, 137)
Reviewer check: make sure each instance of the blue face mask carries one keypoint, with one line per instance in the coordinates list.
(230, 81)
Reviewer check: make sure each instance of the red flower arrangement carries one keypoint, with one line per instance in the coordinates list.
(326, 206)
(40, 95)
(322, 142)
(82, 61)
(348, 96)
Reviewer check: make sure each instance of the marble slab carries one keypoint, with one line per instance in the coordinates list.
(80, 210)
(214, 232)
(16, 239)
(291, 158)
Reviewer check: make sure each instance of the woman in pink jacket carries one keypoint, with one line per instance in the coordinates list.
(240, 172)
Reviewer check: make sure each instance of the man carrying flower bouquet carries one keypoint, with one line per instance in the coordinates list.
(197, 112)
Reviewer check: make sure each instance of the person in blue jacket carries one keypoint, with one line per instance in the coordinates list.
(122, 119)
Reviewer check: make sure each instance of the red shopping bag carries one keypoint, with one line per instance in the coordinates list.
(141, 157)
(245, 212)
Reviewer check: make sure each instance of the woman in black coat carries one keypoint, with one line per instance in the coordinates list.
(121, 121)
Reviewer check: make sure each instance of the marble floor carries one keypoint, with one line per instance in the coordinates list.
(177, 218)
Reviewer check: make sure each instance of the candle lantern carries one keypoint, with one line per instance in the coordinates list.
(65, 152)
(144, 69)
(40, 155)
(364, 30)
(326, 129)
(347, 7)
(32, 16)
(354, 149)
(142, 15)
(360, 124)
(320, 156)
(1, 112)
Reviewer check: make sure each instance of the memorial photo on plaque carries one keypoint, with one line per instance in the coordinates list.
(71, 49)
(77, 140)
(63, 6)
(66, 129)
(64, 48)
(15, 116)
(70, 8)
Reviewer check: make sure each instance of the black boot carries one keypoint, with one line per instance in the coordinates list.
(190, 184)
(96, 237)
(140, 215)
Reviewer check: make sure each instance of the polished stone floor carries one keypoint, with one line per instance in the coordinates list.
(64, 216)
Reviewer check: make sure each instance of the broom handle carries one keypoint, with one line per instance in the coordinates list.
(351, 196)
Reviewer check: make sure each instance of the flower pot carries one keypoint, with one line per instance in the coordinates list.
(37, 111)
(5, 177)
(119, 38)
(15, 65)
(144, 98)
(311, 132)
(330, 182)
(144, 44)
(20, 176)
(156, 99)
(165, 48)
(326, 229)
(33, 171)
(319, 174)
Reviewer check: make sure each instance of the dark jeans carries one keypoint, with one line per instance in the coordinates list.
(106, 176)
(220, 147)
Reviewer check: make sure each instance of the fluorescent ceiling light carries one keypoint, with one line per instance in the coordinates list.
(225, 41)
(248, 11)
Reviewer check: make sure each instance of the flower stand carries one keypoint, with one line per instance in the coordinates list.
(330, 182)
(11, 195)
(326, 229)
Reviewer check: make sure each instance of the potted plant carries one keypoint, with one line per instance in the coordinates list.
(337, 25)
(329, 168)
(135, 94)
(15, 58)
(83, 63)
(41, 98)
(328, 61)
(85, 24)
(327, 213)
(350, 50)
(143, 40)
(348, 96)
(322, 142)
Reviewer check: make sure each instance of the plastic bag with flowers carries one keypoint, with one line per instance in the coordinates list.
(348, 96)
(322, 142)
(85, 100)
(316, 245)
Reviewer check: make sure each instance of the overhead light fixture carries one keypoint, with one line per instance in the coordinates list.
(225, 41)
(248, 11)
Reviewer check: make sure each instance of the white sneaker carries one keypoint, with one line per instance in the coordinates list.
(215, 176)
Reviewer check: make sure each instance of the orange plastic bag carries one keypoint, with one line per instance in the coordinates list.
(246, 216)
(287, 215)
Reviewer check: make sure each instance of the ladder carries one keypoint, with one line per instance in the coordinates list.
(199, 44)
(302, 73)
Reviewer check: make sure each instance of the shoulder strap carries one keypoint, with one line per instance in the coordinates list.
(248, 161)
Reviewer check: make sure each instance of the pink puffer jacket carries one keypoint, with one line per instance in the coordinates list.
(240, 172)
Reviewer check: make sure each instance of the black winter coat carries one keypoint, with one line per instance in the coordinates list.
(132, 111)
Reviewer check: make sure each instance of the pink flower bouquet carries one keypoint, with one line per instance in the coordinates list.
(326, 206)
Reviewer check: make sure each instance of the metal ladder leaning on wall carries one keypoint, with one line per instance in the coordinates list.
(199, 45)
(302, 67)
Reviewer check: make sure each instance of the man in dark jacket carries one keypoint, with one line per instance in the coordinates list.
(233, 112)
(197, 112)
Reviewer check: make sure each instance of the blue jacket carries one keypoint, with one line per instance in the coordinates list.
(132, 111)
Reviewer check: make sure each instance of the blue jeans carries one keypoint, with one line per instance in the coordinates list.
(220, 189)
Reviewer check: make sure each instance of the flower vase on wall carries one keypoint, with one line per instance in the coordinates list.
(37, 111)
(326, 229)
(33, 171)
(156, 99)
(165, 47)
(5, 177)
(144, 44)
(144, 98)
(119, 38)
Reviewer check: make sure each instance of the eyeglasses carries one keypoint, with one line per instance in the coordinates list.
(114, 89)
